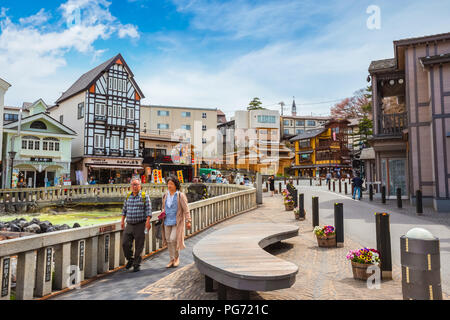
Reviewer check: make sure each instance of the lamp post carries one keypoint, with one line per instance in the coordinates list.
(12, 155)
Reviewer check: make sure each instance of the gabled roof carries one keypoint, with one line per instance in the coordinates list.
(87, 79)
(41, 115)
(308, 134)
(4, 84)
(382, 65)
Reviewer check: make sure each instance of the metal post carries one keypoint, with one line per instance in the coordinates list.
(383, 194)
(315, 211)
(419, 207)
(301, 205)
(371, 192)
(320, 181)
(279, 187)
(294, 197)
(310, 181)
(399, 198)
(345, 188)
(334, 186)
(384, 243)
(421, 265)
(329, 184)
(340, 186)
(339, 224)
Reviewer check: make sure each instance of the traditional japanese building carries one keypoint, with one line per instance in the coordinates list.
(411, 113)
(104, 106)
(37, 148)
(320, 151)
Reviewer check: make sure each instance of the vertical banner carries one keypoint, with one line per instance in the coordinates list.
(155, 175)
(160, 176)
(180, 176)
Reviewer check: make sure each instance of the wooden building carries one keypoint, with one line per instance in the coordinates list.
(320, 151)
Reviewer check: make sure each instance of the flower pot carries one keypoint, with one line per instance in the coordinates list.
(289, 207)
(360, 270)
(297, 215)
(326, 242)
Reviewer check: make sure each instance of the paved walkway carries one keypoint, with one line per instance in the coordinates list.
(324, 273)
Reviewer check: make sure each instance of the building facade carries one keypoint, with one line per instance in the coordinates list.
(4, 86)
(322, 151)
(40, 147)
(411, 112)
(104, 107)
(196, 127)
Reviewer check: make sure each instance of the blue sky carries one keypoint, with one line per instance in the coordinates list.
(208, 53)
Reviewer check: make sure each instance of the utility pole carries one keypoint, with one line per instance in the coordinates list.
(282, 104)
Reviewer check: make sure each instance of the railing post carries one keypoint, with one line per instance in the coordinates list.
(103, 253)
(77, 256)
(419, 207)
(5, 278)
(91, 257)
(315, 211)
(339, 224)
(26, 263)
(62, 265)
(383, 234)
(44, 268)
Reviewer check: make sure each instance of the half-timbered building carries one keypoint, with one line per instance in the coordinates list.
(103, 106)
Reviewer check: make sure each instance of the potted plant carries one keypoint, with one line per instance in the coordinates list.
(299, 215)
(288, 201)
(362, 259)
(326, 236)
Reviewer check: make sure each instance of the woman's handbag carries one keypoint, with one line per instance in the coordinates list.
(159, 225)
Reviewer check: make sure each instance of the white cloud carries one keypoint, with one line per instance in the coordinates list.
(31, 52)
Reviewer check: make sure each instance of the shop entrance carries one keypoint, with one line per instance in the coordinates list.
(40, 179)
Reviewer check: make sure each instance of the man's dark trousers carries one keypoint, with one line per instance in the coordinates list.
(134, 232)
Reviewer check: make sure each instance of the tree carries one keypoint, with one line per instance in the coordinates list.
(255, 104)
(357, 106)
(364, 132)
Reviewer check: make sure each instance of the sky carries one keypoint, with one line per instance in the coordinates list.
(210, 53)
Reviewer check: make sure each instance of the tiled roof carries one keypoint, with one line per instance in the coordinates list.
(380, 65)
(441, 58)
(308, 134)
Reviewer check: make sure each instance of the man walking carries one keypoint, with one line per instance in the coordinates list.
(357, 185)
(137, 210)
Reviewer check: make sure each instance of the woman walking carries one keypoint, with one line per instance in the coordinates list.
(272, 184)
(177, 218)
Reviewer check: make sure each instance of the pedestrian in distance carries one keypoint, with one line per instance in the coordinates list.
(137, 211)
(357, 185)
(176, 218)
(272, 184)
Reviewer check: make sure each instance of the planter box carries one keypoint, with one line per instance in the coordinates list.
(289, 207)
(360, 270)
(326, 242)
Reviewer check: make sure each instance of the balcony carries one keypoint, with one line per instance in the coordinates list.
(392, 124)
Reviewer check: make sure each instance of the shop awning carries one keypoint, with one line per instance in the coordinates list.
(100, 166)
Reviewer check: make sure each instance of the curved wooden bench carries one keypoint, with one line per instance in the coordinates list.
(234, 257)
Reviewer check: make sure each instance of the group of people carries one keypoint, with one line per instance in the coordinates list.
(136, 216)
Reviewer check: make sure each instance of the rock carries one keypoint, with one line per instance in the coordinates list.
(33, 228)
(14, 228)
(35, 221)
(51, 229)
(45, 225)
(2, 226)
(76, 225)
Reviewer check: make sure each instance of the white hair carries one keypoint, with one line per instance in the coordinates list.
(135, 179)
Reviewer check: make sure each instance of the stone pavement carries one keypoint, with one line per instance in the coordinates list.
(323, 273)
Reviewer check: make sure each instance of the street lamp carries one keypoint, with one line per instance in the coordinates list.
(12, 155)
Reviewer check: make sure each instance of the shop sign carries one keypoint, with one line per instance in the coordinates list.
(41, 159)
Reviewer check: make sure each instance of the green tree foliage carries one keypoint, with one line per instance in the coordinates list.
(255, 104)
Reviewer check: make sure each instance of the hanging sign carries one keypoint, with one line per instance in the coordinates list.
(180, 176)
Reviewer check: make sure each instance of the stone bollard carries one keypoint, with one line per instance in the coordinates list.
(315, 211)
(419, 207)
(339, 224)
(310, 181)
(371, 192)
(421, 266)
(399, 198)
(297, 181)
(383, 194)
(383, 235)
(320, 181)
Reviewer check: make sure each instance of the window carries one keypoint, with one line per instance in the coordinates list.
(204, 127)
(129, 143)
(204, 115)
(10, 117)
(300, 131)
(124, 113)
(311, 123)
(163, 113)
(304, 144)
(115, 142)
(80, 110)
(100, 109)
(38, 125)
(109, 111)
(61, 118)
(124, 85)
(36, 145)
(186, 127)
(286, 131)
(30, 142)
(45, 145)
(286, 122)
(99, 141)
(115, 84)
(115, 107)
(300, 123)
(119, 85)
(50, 144)
(131, 113)
(204, 140)
(110, 82)
(266, 119)
(163, 126)
(186, 114)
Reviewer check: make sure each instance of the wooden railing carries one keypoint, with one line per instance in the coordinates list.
(96, 193)
(392, 124)
(63, 259)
